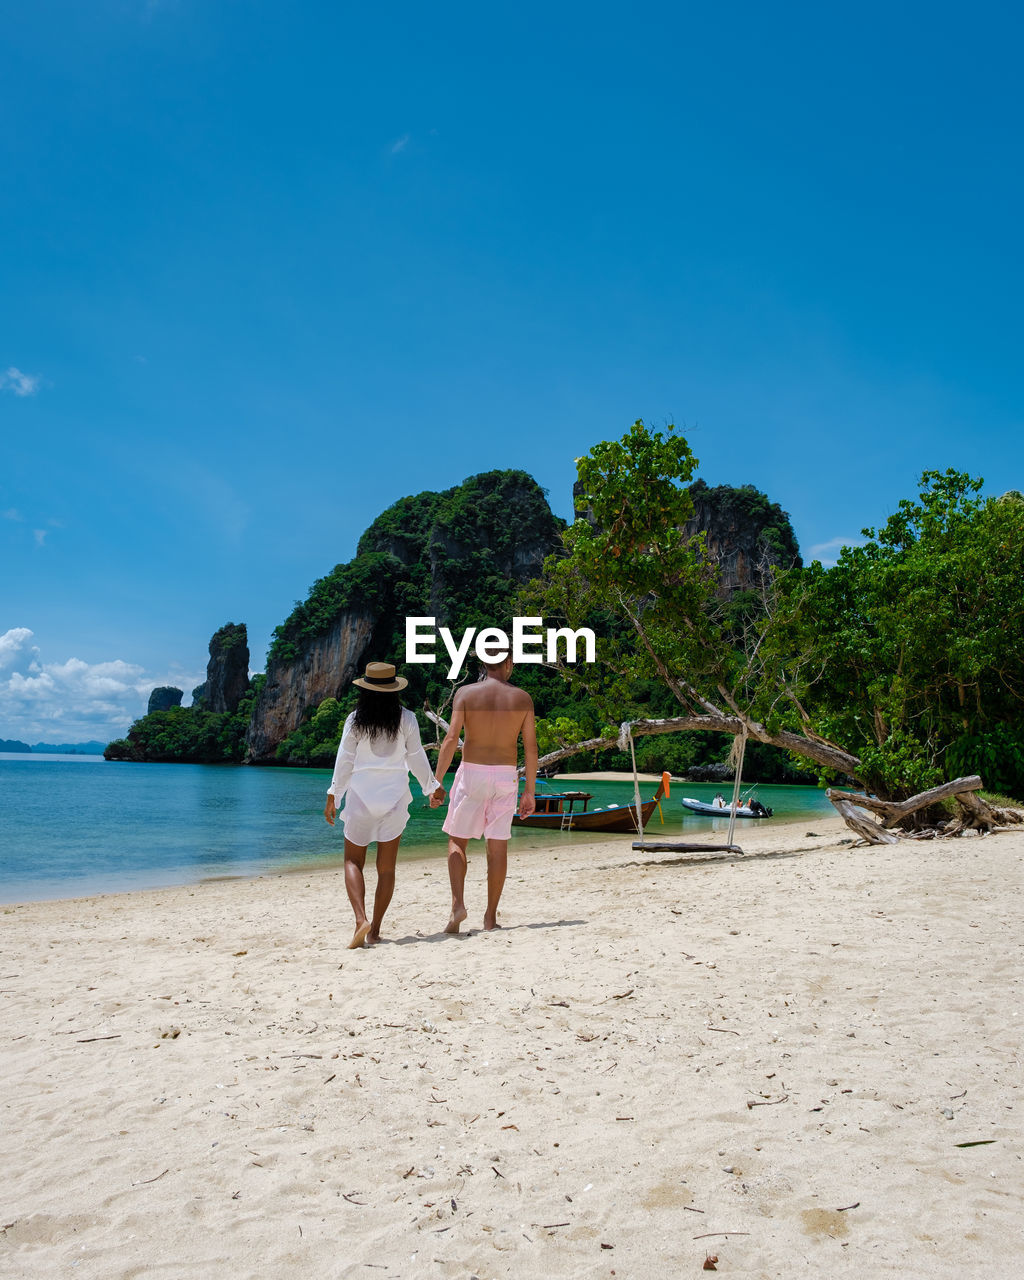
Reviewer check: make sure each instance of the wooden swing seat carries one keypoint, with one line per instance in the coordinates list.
(676, 847)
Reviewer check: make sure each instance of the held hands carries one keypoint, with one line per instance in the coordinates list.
(437, 798)
(329, 811)
(527, 804)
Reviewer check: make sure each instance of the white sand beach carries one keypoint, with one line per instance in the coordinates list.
(778, 1060)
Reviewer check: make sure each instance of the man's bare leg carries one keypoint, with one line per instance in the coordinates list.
(457, 876)
(497, 865)
(387, 855)
(355, 859)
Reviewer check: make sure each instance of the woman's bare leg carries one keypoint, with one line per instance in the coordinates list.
(355, 886)
(387, 856)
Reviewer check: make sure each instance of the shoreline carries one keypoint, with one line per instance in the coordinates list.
(788, 1050)
(603, 775)
(530, 841)
(624, 775)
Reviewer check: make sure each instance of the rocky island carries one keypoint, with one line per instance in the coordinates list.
(460, 556)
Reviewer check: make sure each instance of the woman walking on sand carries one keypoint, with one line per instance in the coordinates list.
(380, 746)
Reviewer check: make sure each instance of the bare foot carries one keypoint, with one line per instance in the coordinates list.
(373, 936)
(490, 924)
(359, 937)
(455, 919)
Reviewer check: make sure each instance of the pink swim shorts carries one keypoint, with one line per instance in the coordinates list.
(482, 801)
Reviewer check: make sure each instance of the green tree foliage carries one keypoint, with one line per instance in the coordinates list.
(178, 734)
(998, 756)
(315, 741)
(630, 557)
(910, 650)
(911, 647)
(636, 568)
(188, 735)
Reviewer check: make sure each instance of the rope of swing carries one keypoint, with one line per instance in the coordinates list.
(739, 750)
(636, 787)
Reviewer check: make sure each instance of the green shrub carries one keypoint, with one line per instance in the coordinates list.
(998, 756)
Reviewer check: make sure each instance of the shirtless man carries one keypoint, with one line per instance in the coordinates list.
(492, 715)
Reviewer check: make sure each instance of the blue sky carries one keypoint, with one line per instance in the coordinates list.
(266, 268)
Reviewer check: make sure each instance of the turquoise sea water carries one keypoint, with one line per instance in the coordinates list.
(71, 826)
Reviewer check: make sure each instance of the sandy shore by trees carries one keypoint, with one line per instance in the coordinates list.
(787, 1061)
(604, 775)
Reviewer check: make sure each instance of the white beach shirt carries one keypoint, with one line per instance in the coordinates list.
(378, 772)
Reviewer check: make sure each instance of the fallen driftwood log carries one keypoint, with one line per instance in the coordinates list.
(975, 814)
(979, 815)
(893, 811)
(859, 820)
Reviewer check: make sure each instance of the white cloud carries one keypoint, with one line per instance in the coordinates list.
(400, 144)
(40, 536)
(828, 552)
(12, 513)
(73, 701)
(22, 384)
(15, 651)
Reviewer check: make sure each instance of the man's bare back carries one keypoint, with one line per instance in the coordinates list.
(493, 716)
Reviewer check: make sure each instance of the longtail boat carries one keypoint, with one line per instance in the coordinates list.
(556, 812)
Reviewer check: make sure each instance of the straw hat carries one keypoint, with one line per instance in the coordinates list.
(380, 678)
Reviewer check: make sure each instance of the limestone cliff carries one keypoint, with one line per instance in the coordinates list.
(323, 667)
(164, 697)
(458, 556)
(745, 534)
(498, 532)
(227, 672)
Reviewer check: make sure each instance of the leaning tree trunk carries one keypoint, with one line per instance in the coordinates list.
(822, 753)
(974, 813)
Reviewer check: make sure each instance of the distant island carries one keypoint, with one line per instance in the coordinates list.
(15, 746)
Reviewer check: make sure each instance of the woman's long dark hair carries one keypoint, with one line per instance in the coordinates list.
(378, 715)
